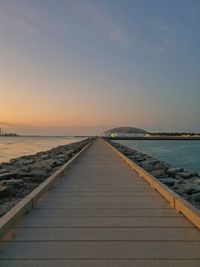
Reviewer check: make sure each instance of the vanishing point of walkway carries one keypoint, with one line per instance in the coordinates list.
(101, 214)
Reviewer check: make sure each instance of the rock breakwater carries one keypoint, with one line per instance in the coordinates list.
(20, 176)
(184, 182)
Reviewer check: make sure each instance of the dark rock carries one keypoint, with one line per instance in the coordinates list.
(195, 180)
(195, 198)
(6, 175)
(26, 169)
(56, 163)
(45, 156)
(38, 173)
(159, 173)
(187, 175)
(25, 161)
(27, 178)
(154, 162)
(12, 182)
(70, 152)
(173, 171)
(179, 182)
(147, 166)
(47, 163)
(139, 159)
(168, 181)
(3, 171)
(6, 191)
(189, 188)
(19, 174)
(160, 166)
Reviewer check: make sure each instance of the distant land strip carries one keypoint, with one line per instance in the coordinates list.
(153, 138)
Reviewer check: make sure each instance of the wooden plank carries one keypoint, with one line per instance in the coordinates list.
(103, 250)
(101, 189)
(104, 194)
(104, 234)
(100, 263)
(62, 201)
(125, 204)
(106, 222)
(105, 212)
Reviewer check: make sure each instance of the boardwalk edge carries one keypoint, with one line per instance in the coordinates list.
(176, 201)
(26, 204)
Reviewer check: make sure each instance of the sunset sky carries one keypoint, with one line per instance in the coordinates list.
(82, 66)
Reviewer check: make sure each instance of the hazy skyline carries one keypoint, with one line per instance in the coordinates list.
(80, 66)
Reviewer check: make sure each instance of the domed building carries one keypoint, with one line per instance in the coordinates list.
(125, 132)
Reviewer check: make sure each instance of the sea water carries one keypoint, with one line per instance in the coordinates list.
(12, 147)
(181, 153)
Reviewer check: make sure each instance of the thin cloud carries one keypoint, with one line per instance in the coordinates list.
(20, 24)
(97, 20)
(88, 16)
(166, 45)
(169, 37)
(17, 17)
(116, 36)
(20, 17)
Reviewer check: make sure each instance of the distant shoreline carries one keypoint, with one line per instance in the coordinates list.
(158, 138)
(67, 136)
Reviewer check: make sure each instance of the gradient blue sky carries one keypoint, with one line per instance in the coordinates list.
(81, 66)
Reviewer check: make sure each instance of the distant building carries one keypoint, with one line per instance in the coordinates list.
(125, 132)
(10, 134)
(7, 134)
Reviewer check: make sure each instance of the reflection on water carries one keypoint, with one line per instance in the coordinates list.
(178, 153)
(12, 147)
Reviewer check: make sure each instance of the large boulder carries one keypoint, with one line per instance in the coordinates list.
(7, 191)
(174, 171)
(27, 161)
(161, 166)
(159, 174)
(147, 166)
(195, 180)
(3, 171)
(6, 175)
(168, 181)
(38, 175)
(12, 182)
(188, 188)
(187, 175)
(195, 198)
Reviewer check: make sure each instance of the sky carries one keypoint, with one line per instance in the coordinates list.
(83, 66)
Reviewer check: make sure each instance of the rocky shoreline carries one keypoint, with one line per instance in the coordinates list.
(20, 176)
(183, 182)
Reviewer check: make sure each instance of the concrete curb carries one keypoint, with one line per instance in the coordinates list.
(176, 201)
(26, 204)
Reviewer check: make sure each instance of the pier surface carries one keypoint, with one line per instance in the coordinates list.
(101, 214)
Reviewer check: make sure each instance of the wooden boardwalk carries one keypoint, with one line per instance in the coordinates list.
(101, 214)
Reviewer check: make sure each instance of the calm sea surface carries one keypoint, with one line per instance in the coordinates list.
(12, 147)
(178, 153)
